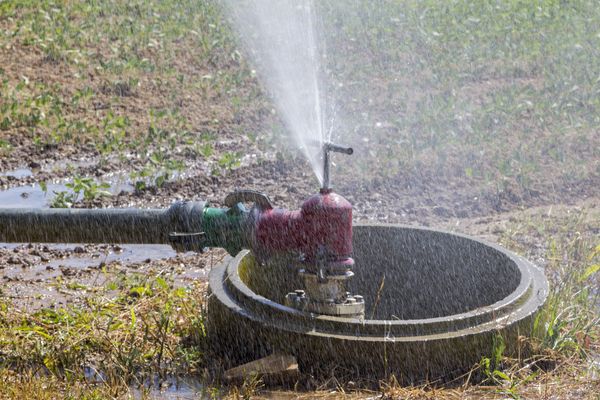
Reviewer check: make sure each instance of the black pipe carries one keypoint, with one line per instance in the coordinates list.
(131, 225)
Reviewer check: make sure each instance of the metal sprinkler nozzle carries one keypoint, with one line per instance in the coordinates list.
(327, 148)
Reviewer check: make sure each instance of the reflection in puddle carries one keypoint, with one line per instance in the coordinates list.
(29, 196)
(18, 173)
(171, 388)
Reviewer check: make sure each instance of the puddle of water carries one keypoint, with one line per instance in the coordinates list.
(34, 196)
(25, 172)
(28, 196)
(171, 388)
(18, 173)
(131, 253)
(117, 187)
(69, 165)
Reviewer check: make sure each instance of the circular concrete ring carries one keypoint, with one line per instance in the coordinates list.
(435, 305)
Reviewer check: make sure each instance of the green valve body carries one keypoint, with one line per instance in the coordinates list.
(228, 228)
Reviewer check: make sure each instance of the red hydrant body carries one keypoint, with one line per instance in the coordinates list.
(321, 230)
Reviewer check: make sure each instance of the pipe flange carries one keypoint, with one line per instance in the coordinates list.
(351, 307)
(331, 287)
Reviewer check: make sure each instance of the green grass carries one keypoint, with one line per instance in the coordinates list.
(569, 323)
(498, 89)
(491, 92)
(84, 189)
(566, 332)
(99, 58)
(150, 329)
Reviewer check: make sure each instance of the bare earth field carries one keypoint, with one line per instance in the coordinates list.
(476, 118)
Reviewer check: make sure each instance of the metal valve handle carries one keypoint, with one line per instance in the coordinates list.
(247, 195)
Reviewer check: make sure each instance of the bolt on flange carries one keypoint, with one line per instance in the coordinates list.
(352, 306)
